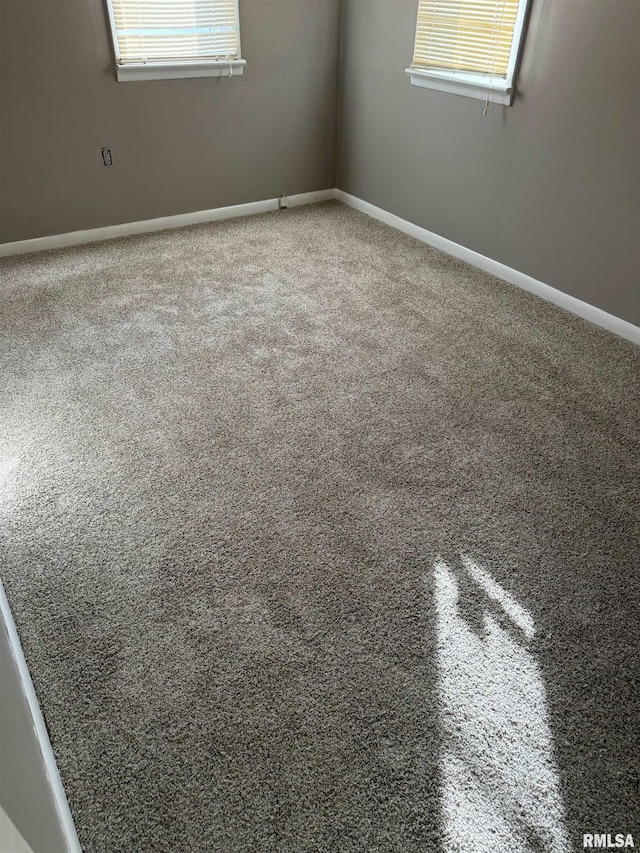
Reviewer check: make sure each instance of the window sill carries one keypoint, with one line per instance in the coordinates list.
(468, 85)
(180, 70)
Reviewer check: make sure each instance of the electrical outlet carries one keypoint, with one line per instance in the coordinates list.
(107, 159)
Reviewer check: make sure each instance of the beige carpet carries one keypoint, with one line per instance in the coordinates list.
(319, 540)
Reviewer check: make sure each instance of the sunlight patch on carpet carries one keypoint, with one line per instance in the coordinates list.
(499, 778)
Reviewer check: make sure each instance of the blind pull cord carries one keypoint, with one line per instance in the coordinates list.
(226, 21)
(493, 47)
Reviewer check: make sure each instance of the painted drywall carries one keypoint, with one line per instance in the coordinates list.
(26, 795)
(178, 145)
(549, 186)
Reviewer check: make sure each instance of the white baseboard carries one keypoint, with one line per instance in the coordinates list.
(309, 198)
(525, 282)
(48, 766)
(145, 226)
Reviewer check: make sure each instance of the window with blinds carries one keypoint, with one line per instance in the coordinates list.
(474, 43)
(150, 34)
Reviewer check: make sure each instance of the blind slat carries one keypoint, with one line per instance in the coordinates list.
(166, 30)
(470, 35)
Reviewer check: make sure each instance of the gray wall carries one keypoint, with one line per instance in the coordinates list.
(178, 145)
(549, 186)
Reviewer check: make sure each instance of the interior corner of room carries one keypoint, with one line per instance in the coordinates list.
(318, 518)
(547, 187)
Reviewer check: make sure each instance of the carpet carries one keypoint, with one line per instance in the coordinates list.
(317, 539)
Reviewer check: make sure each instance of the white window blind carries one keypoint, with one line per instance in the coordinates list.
(473, 41)
(466, 35)
(175, 31)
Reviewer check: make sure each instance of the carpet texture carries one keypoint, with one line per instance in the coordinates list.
(317, 539)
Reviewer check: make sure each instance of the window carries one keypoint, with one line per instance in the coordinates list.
(469, 47)
(156, 39)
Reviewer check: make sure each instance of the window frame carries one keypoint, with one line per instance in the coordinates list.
(495, 90)
(177, 69)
